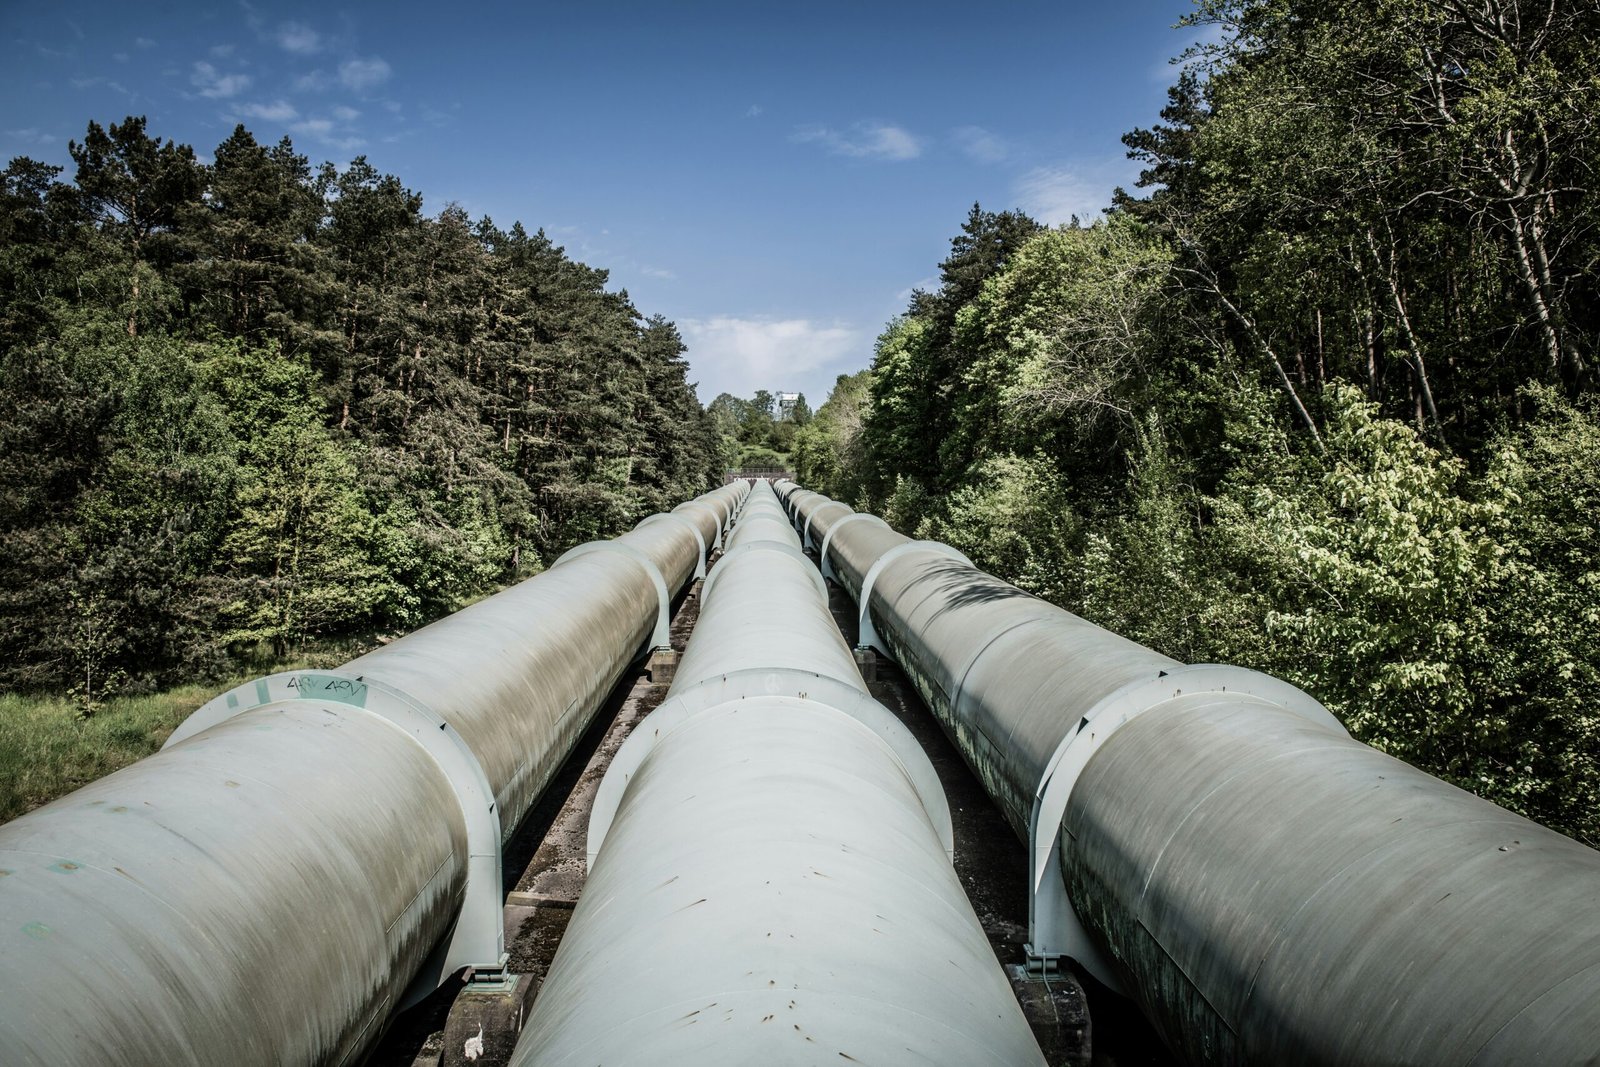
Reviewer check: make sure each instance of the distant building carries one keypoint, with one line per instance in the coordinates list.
(786, 403)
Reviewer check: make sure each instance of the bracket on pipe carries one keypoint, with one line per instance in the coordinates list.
(766, 544)
(827, 539)
(661, 637)
(805, 533)
(478, 938)
(848, 698)
(1054, 930)
(866, 633)
(699, 538)
(717, 541)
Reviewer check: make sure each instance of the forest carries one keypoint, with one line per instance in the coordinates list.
(254, 404)
(1318, 398)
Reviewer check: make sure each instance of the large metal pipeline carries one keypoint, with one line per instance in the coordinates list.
(311, 845)
(770, 878)
(1267, 888)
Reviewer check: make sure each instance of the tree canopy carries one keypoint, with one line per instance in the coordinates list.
(255, 403)
(1322, 401)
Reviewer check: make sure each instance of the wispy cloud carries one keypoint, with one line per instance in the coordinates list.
(979, 144)
(328, 132)
(32, 136)
(359, 74)
(1053, 195)
(277, 111)
(864, 140)
(93, 83)
(298, 38)
(215, 85)
(730, 354)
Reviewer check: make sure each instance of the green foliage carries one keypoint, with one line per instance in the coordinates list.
(1009, 520)
(1321, 404)
(255, 405)
(829, 453)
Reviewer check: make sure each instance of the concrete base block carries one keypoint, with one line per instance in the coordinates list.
(484, 1023)
(662, 666)
(867, 662)
(1058, 1012)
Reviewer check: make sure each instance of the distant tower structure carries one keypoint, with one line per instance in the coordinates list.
(786, 402)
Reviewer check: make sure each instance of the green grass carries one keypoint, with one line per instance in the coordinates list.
(47, 751)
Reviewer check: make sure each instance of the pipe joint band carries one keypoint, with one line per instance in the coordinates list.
(828, 570)
(765, 545)
(867, 633)
(661, 636)
(805, 533)
(478, 939)
(1053, 927)
(699, 538)
(844, 697)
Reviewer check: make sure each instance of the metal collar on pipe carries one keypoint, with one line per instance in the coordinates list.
(827, 539)
(660, 637)
(699, 538)
(763, 546)
(756, 682)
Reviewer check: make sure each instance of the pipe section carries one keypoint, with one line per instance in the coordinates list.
(1210, 839)
(770, 878)
(310, 845)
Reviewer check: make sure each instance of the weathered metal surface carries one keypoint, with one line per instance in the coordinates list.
(1287, 895)
(1271, 890)
(265, 889)
(259, 894)
(769, 884)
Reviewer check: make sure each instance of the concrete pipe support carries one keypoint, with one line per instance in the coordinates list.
(770, 878)
(310, 846)
(1210, 839)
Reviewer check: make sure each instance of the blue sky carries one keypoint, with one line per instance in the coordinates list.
(775, 178)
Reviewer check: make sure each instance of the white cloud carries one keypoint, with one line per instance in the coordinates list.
(328, 132)
(358, 74)
(298, 38)
(864, 140)
(729, 354)
(979, 145)
(215, 85)
(1054, 194)
(277, 111)
(31, 136)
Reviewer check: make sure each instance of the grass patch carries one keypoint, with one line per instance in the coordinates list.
(47, 751)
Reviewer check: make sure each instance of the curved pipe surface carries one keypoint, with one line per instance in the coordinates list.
(1267, 888)
(769, 884)
(265, 888)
